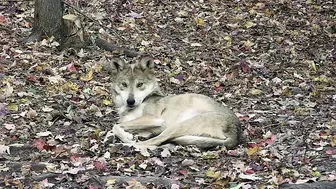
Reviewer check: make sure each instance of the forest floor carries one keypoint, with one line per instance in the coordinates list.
(272, 62)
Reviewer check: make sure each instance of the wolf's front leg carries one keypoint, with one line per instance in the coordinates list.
(124, 136)
(146, 122)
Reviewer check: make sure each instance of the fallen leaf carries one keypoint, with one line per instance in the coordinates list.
(165, 153)
(4, 149)
(249, 24)
(3, 20)
(72, 68)
(99, 165)
(187, 162)
(200, 22)
(249, 177)
(88, 76)
(31, 114)
(110, 182)
(39, 144)
(13, 107)
(43, 134)
(196, 44)
(255, 91)
(253, 150)
(212, 174)
(7, 91)
(246, 68)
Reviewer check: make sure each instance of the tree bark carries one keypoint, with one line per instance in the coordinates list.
(48, 20)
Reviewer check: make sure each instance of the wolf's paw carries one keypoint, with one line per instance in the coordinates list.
(122, 134)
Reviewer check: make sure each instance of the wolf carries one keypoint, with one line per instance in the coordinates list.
(184, 119)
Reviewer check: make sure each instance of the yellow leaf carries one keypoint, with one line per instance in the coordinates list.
(97, 132)
(209, 155)
(313, 65)
(253, 12)
(316, 174)
(107, 102)
(255, 91)
(333, 141)
(24, 100)
(287, 92)
(223, 181)
(249, 24)
(293, 51)
(13, 107)
(110, 182)
(315, 27)
(260, 5)
(200, 22)
(322, 78)
(253, 151)
(98, 68)
(142, 49)
(72, 86)
(87, 77)
(229, 41)
(212, 174)
(100, 91)
(248, 44)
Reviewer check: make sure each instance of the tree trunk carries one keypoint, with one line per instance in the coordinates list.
(48, 20)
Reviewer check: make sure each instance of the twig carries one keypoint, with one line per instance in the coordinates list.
(97, 179)
(110, 47)
(5, 28)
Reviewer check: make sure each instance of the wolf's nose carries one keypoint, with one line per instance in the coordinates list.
(130, 102)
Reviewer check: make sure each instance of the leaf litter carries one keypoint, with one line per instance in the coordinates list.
(272, 62)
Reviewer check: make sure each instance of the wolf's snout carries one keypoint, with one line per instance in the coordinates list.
(130, 102)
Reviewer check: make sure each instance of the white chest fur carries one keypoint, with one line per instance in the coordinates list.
(136, 113)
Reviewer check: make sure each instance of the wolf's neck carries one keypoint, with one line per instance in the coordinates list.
(154, 95)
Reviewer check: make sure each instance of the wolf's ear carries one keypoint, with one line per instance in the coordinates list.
(115, 65)
(146, 62)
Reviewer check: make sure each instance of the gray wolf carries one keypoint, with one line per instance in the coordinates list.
(185, 119)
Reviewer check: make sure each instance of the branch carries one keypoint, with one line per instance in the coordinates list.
(95, 21)
(103, 44)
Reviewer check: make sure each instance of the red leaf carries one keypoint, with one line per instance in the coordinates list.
(32, 78)
(330, 152)
(3, 20)
(74, 158)
(249, 171)
(251, 145)
(100, 165)
(233, 152)
(245, 66)
(183, 172)
(244, 117)
(72, 68)
(39, 144)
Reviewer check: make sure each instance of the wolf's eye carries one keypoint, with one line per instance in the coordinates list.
(139, 85)
(124, 84)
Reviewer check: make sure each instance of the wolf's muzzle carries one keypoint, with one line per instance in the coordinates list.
(130, 102)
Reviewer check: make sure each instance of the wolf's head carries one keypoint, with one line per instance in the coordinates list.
(132, 83)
